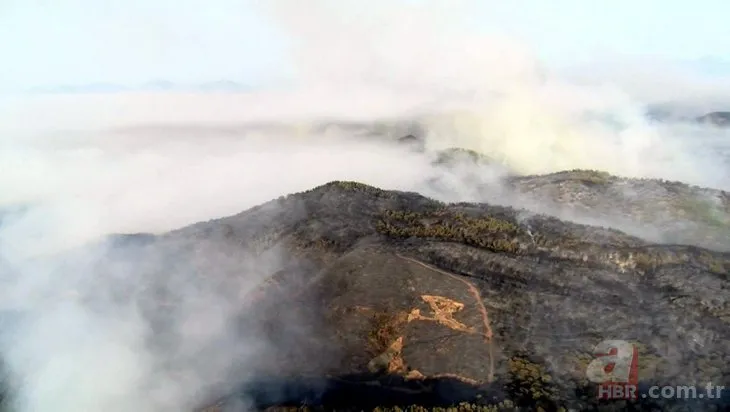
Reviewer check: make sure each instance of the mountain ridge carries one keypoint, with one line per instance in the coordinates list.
(357, 239)
(367, 298)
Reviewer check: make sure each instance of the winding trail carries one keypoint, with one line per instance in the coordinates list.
(480, 304)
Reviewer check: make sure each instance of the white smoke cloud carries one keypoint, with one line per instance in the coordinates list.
(488, 92)
(88, 166)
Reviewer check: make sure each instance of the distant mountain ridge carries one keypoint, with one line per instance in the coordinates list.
(720, 119)
(156, 85)
(668, 113)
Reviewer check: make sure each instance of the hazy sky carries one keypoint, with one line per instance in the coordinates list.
(47, 42)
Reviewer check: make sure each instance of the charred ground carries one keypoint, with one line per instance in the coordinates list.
(474, 294)
(403, 300)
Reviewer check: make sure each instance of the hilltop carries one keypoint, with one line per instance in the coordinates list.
(657, 210)
(383, 298)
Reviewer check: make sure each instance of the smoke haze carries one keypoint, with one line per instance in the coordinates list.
(75, 168)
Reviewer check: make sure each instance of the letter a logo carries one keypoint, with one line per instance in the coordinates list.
(615, 362)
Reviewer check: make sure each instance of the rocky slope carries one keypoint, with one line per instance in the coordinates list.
(461, 301)
(669, 212)
(382, 298)
(657, 210)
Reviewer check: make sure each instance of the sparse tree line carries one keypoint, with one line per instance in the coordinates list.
(487, 232)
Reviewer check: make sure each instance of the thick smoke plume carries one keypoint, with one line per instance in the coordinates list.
(74, 169)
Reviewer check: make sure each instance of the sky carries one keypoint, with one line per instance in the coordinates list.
(46, 43)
